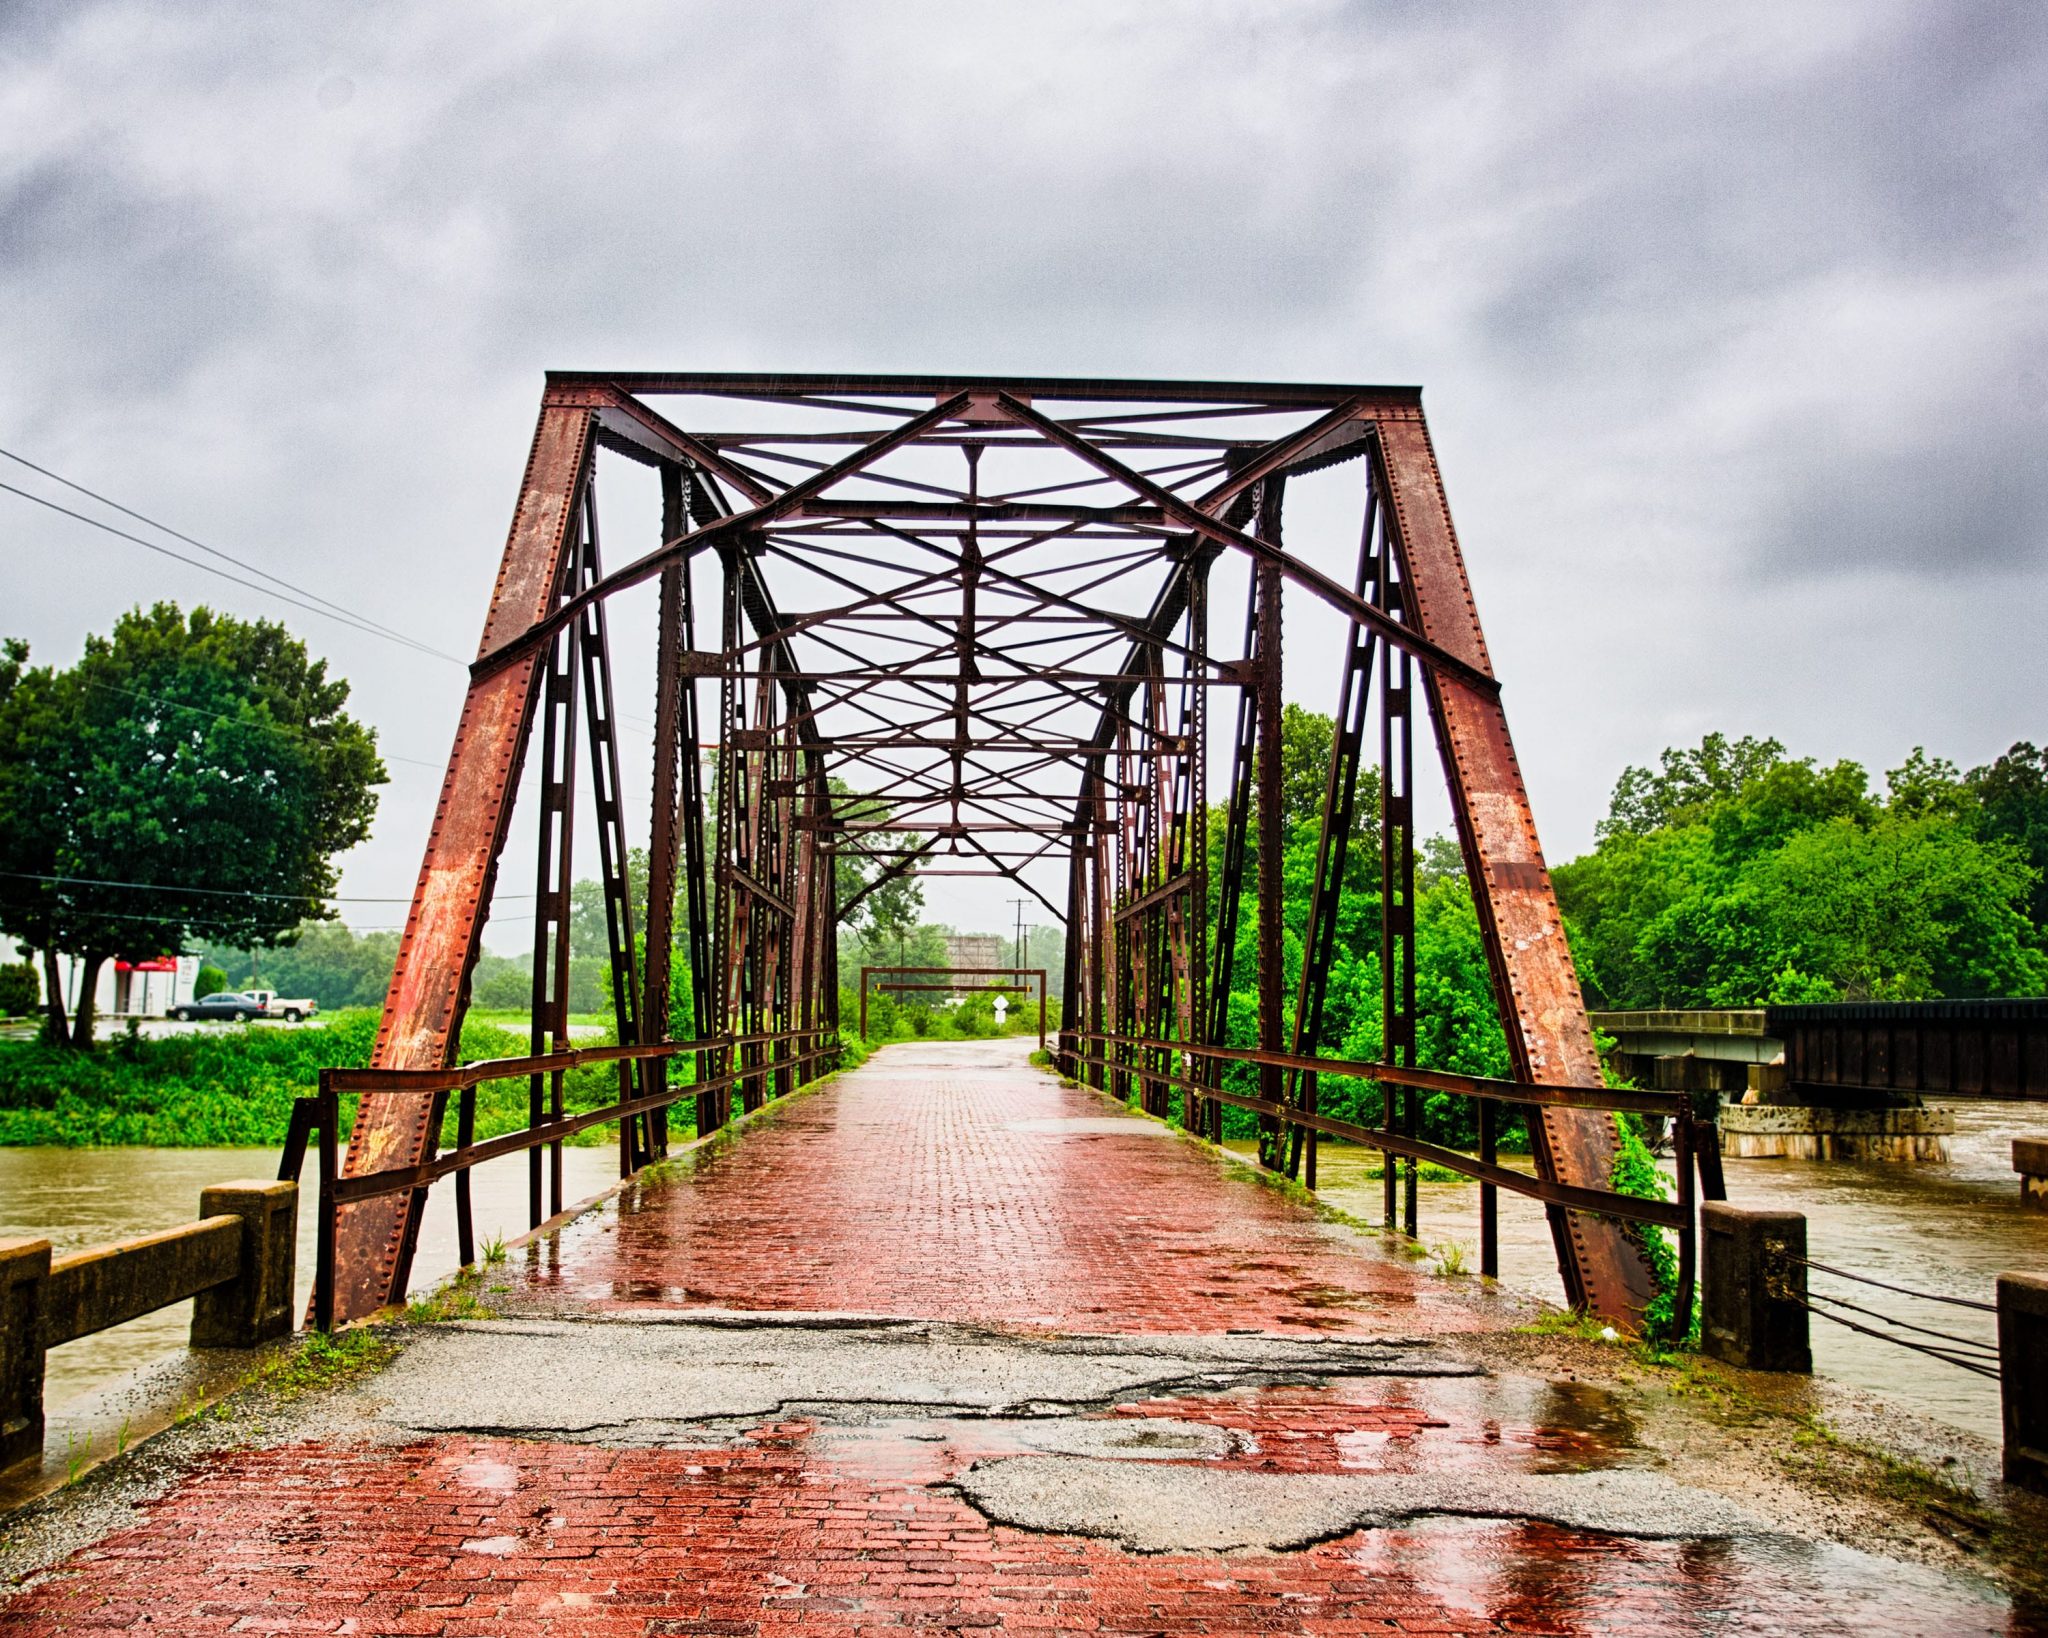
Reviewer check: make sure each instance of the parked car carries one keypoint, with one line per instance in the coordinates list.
(236, 1004)
(243, 1005)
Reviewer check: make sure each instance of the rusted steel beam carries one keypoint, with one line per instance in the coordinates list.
(719, 532)
(1271, 932)
(1541, 1006)
(759, 890)
(548, 1013)
(1159, 895)
(430, 981)
(664, 838)
(1220, 394)
(608, 801)
(1326, 885)
(1311, 579)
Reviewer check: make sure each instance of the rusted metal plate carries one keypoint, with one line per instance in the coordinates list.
(1548, 1034)
(423, 1008)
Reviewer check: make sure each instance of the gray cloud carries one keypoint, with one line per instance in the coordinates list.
(1718, 311)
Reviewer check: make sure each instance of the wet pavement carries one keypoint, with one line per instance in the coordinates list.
(1950, 1227)
(946, 1346)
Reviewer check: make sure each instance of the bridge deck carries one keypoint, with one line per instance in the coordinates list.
(609, 1458)
(955, 1182)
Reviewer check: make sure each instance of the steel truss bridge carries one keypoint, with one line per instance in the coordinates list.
(952, 625)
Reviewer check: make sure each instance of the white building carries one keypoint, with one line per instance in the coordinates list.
(147, 990)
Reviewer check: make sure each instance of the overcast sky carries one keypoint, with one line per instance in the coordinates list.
(1730, 318)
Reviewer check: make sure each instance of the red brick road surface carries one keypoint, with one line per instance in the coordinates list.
(954, 1183)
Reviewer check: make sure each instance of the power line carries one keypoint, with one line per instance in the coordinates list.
(319, 605)
(353, 621)
(225, 557)
(226, 892)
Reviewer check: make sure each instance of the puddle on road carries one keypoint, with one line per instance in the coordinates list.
(1530, 1576)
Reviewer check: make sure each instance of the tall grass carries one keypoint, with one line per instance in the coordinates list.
(233, 1086)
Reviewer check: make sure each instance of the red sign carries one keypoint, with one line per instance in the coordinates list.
(162, 964)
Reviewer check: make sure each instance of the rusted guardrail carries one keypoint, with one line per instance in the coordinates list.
(319, 1116)
(236, 1260)
(1695, 1149)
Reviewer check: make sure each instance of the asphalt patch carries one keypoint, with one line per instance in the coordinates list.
(1149, 1507)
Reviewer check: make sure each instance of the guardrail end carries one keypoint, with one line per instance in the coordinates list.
(257, 1305)
(2023, 1377)
(1753, 1288)
(24, 1267)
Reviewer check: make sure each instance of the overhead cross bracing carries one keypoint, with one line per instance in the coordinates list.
(964, 625)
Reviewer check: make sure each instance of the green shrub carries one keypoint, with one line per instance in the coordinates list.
(211, 981)
(19, 991)
(1635, 1173)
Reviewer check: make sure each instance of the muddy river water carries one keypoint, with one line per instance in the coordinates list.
(1948, 1229)
(83, 1197)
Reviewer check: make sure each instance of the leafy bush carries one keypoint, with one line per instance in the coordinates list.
(210, 981)
(19, 991)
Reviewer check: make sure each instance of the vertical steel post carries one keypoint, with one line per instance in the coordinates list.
(601, 720)
(548, 1028)
(1230, 881)
(1340, 806)
(326, 1231)
(696, 881)
(1272, 845)
(665, 813)
(1397, 891)
(711, 1106)
(1078, 936)
(1192, 968)
(465, 1135)
(1489, 1196)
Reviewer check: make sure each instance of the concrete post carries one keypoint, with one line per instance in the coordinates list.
(1754, 1287)
(258, 1304)
(2023, 1377)
(24, 1267)
(2030, 1160)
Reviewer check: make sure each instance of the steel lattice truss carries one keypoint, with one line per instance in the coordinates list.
(962, 625)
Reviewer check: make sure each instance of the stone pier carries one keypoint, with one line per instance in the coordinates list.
(2030, 1160)
(1790, 1131)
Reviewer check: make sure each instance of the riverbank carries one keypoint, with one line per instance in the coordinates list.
(232, 1086)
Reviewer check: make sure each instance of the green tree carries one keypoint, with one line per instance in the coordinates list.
(1686, 783)
(327, 961)
(2012, 797)
(209, 980)
(203, 764)
(1774, 879)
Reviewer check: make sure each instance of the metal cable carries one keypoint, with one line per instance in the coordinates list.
(328, 605)
(1917, 1347)
(1904, 1291)
(1989, 1348)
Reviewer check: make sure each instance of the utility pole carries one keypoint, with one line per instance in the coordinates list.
(1019, 950)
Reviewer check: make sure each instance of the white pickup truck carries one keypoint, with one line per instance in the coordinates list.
(276, 1006)
(243, 1005)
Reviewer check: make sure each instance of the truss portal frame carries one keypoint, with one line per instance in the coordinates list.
(982, 605)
